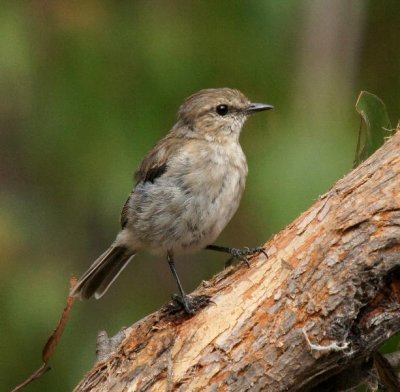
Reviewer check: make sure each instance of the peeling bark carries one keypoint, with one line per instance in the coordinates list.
(326, 298)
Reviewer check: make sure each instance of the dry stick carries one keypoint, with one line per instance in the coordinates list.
(52, 342)
(387, 375)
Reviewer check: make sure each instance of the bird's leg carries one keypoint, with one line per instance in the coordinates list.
(238, 253)
(182, 298)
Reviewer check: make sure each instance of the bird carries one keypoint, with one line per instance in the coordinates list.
(187, 189)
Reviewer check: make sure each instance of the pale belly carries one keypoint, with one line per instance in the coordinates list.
(184, 212)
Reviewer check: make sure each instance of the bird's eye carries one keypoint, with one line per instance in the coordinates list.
(222, 109)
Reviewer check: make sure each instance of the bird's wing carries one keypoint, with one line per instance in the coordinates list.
(155, 162)
(153, 166)
(123, 220)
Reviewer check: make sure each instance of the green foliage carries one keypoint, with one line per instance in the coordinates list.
(375, 125)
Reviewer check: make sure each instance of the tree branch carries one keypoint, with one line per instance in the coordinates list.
(322, 303)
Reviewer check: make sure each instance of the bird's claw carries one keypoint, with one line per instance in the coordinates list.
(191, 305)
(241, 253)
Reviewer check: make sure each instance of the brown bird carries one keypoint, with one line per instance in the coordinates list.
(188, 188)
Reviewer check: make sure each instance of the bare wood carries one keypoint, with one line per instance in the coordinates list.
(324, 301)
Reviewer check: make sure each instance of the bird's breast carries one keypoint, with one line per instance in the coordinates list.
(213, 179)
(187, 207)
(212, 171)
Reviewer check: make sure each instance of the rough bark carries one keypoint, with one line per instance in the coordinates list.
(307, 318)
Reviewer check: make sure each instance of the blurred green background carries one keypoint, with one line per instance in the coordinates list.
(87, 88)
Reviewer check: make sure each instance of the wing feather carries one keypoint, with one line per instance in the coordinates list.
(153, 166)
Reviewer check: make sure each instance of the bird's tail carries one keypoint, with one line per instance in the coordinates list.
(102, 273)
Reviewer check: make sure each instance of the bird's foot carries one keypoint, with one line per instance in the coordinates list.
(190, 304)
(242, 253)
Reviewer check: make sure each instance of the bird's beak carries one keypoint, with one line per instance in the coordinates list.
(257, 107)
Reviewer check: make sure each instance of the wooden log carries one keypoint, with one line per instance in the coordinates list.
(312, 314)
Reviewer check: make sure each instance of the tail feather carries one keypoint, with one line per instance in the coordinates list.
(102, 273)
(111, 275)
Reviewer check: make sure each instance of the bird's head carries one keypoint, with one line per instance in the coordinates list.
(216, 113)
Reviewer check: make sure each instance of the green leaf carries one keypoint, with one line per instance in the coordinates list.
(375, 125)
